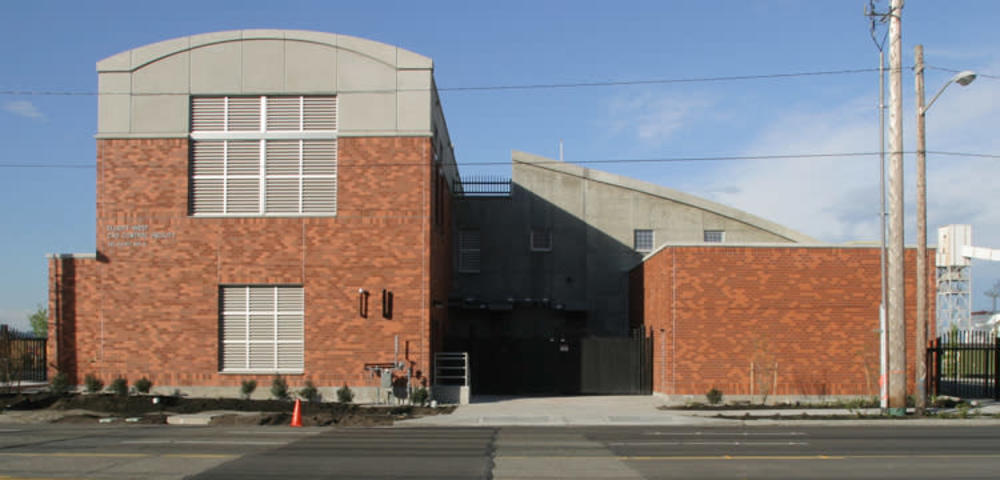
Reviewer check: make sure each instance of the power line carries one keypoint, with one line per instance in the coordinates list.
(532, 86)
(952, 70)
(721, 158)
(537, 86)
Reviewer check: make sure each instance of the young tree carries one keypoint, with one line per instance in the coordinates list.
(40, 322)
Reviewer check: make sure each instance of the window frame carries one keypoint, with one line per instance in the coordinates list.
(540, 233)
(465, 251)
(721, 236)
(262, 136)
(636, 239)
(246, 315)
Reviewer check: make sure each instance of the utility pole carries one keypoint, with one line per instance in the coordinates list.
(920, 375)
(897, 295)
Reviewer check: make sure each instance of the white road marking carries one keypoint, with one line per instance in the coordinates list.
(727, 434)
(200, 442)
(731, 444)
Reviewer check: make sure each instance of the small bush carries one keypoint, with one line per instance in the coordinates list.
(119, 386)
(345, 395)
(92, 383)
(714, 396)
(143, 385)
(309, 392)
(419, 396)
(60, 384)
(279, 388)
(247, 387)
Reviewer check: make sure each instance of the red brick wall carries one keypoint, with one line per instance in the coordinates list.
(149, 305)
(806, 318)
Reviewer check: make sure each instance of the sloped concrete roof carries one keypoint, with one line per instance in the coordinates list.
(661, 192)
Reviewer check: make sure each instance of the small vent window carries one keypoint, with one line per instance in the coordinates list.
(541, 240)
(643, 240)
(715, 236)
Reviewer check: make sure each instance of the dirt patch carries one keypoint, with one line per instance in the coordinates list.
(148, 409)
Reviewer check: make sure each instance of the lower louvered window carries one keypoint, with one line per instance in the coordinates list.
(262, 329)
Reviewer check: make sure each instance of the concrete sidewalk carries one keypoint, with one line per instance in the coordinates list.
(642, 410)
(562, 411)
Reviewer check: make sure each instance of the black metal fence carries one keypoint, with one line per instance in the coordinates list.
(483, 186)
(964, 364)
(22, 356)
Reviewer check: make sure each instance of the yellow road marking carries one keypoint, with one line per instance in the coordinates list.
(4, 477)
(115, 455)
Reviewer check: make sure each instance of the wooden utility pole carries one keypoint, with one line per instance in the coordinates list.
(920, 356)
(897, 295)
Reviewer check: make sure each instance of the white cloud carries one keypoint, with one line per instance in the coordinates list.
(652, 117)
(836, 199)
(23, 108)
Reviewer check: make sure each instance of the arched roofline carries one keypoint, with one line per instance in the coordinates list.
(136, 58)
(661, 192)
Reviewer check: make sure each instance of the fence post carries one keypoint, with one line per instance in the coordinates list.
(938, 356)
(996, 368)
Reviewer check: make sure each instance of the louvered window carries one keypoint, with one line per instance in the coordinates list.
(255, 156)
(261, 329)
(541, 240)
(468, 251)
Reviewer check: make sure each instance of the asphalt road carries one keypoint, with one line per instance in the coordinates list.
(159, 452)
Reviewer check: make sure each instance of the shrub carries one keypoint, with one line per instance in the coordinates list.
(345, 395)
(60, 384)
(714, 396)
(247, 387)
(119, 386)
(92, 383)
(279, 388)
(309, 392)
(419, 396)
(143, 385)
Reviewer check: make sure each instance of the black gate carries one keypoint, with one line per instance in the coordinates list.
(561, 365)
(964, 364)
(22, 356)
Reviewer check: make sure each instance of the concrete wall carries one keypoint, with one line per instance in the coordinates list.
(592, 216)
(774, 320)
(381, 89)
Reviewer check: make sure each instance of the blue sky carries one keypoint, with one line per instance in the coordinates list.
(53, 46)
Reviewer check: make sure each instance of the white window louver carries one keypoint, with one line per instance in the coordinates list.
(285, 146)
(262, 329)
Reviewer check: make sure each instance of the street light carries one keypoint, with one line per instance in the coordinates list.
(962, 78)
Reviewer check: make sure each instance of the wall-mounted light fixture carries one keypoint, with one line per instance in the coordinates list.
(386, 303)
(363, 303)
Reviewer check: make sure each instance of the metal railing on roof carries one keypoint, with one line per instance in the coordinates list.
(483, 186)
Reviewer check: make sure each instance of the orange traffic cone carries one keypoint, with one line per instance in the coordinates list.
(297, 414)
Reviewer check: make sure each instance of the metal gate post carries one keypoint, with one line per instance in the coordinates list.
(996, 368)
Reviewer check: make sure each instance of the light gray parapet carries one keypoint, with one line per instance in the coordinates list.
(381, 89)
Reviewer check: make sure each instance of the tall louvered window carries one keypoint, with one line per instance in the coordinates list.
(254, 156)
(469, 254)
(261, 329)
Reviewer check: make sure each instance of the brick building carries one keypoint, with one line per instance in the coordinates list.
(288, 202)
(267, 202)
(779, 320)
